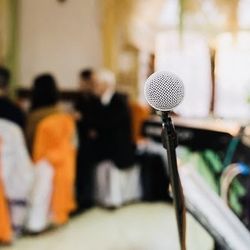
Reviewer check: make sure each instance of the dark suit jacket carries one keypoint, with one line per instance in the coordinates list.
(114, 132)
(86, 104)
(87, 152)
(113, 141)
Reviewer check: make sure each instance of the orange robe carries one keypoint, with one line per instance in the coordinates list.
(55, 141)
(5, 221)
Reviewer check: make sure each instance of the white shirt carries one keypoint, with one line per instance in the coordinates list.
(107, 96)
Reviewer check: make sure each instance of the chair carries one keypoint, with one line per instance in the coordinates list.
(40, 200)
(114, 186)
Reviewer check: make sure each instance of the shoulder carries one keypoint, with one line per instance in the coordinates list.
(8, 124)
(12, 112)
(11, 128)
(12, 106)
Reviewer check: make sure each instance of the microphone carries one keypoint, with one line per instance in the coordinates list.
(164, 91)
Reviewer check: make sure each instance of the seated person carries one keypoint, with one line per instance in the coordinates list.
(112, 127)
(85, 106)
(55, 142)
(8, 110)
(44, 102)
(52, 138)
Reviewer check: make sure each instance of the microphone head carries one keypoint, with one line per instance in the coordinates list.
(164, 90)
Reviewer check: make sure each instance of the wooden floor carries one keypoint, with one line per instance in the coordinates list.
(134, 227)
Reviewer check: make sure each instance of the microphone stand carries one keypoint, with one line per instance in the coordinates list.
(169, 140)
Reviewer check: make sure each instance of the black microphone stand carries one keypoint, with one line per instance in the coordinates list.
(169, 140)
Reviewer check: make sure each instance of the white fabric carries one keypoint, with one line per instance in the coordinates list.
(188, 57)
(114, 186)
(18, 217)
(232, 75)
(17, 170)
(41, 197)
(107, 97)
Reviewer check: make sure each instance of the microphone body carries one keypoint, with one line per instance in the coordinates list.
(164, 91)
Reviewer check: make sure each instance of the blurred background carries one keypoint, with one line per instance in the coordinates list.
(81, 161)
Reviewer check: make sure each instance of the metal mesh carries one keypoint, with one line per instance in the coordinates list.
(163, 90)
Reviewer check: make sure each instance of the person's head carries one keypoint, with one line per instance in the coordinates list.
(104, 80)
(4, 80)
(44, 92)
(86, 80)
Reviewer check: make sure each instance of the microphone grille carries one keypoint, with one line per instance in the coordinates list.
(163, 90)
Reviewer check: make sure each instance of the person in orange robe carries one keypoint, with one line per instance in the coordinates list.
(44, 102)
(55, 141)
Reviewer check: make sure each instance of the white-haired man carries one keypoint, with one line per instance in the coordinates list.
(112, 125)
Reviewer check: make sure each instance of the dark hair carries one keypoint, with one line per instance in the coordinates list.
(86, 74)
(44, 92)
(4, 77)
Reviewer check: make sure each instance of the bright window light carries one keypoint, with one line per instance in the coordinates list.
(189, 59)
(233, 75)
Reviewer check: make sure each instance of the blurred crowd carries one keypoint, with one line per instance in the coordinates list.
(56, 163)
